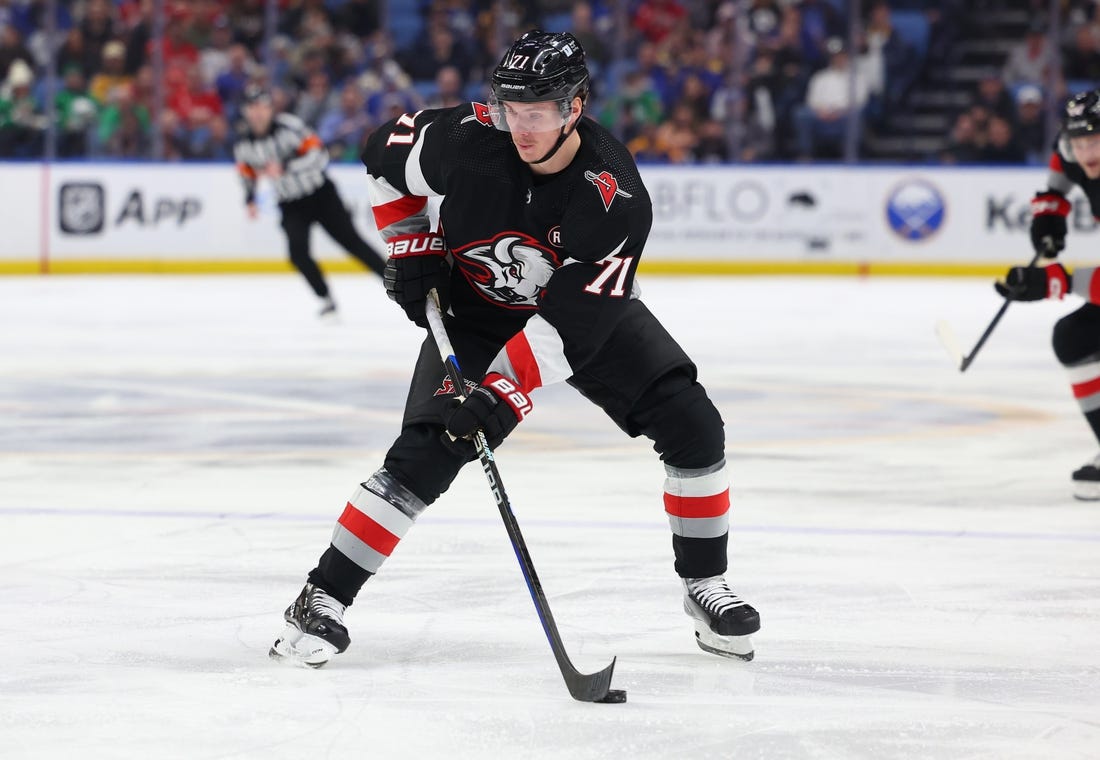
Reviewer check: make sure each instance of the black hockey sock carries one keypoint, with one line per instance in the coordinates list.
(699, 557)
(339, 576)
(1093, 419)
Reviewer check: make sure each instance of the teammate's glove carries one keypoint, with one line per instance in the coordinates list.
(496, 406)
(1034, 283)
(1048, 222)
(417, 263)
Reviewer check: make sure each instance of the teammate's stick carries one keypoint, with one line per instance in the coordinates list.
(947, 336)
(594, 687)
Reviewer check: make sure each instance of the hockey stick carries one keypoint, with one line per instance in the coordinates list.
(594, 687)
(947, 336)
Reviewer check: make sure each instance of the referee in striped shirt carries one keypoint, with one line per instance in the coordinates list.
(282, 148)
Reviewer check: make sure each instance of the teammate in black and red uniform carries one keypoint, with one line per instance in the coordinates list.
(1074, 161)
(282, 148)
(543, 220)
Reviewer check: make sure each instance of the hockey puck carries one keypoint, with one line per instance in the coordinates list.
(614, 697)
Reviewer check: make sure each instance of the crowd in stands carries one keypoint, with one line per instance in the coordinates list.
(679, 81)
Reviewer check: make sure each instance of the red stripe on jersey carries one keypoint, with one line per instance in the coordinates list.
(246, 171)
(1057, 281)
(523, 362)
(395, 211)
(1094, 286)
(698, 506)
(1056, 163)
(368, 531)
(1087, 388)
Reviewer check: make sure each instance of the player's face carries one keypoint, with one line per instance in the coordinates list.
(258, 114)
(1086, 150)
(535, 127)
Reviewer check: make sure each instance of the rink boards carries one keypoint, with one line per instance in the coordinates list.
(114, 217)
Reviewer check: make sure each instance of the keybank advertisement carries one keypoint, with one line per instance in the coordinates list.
(140, 214)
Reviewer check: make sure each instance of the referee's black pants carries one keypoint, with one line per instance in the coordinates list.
(325, 207)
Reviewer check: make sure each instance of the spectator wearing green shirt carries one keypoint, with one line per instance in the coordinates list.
(76, 112)
(124, 125)
(636, 104)
(22, 122)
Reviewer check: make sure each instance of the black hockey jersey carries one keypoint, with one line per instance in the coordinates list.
(290, 143)
(1065, 172)
(544, 264)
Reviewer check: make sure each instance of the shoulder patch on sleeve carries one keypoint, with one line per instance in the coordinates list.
(607, 186)
(480, 115)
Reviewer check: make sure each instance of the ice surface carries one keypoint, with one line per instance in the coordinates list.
(173, 452)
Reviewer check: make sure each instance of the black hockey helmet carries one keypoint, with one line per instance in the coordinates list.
(1082, 114)
(539, 67)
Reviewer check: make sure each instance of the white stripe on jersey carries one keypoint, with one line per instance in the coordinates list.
(380, 191)
(547, 350)
(414, 175)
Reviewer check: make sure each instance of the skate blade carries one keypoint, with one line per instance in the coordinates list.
(301, 650)
(1086, 490)
(736, 647)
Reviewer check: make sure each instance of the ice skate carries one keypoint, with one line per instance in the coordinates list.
(1086, 481)
(315, 630)
(723, 620)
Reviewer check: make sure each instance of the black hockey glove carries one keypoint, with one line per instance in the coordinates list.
(496, 406)
(417, 263)
(1048, 222)
(1035, 283)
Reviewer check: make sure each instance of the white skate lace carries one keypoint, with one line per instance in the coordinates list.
(714, 594)
(323, 605)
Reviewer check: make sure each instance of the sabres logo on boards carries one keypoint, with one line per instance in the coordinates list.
(510, 270)
(608, 186)
(915, 210)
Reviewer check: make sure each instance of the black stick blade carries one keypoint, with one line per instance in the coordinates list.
(592, 687)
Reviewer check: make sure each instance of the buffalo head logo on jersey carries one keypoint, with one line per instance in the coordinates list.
(511, 269)
(608, 186)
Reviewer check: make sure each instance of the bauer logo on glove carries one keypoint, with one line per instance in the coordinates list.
(1048, 222)
(496, 406)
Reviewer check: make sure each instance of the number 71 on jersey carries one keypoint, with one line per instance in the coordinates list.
(614, 267)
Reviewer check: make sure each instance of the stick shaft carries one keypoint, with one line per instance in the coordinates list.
(583, 687)
(969, 358)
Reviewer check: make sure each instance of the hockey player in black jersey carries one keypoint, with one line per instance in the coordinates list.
(543, 220)
(1075, 161)
(282, 148)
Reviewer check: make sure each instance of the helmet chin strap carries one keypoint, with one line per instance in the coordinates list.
(561, 139)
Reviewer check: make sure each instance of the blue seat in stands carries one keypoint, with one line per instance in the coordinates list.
(912, 26)
(404, 23)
